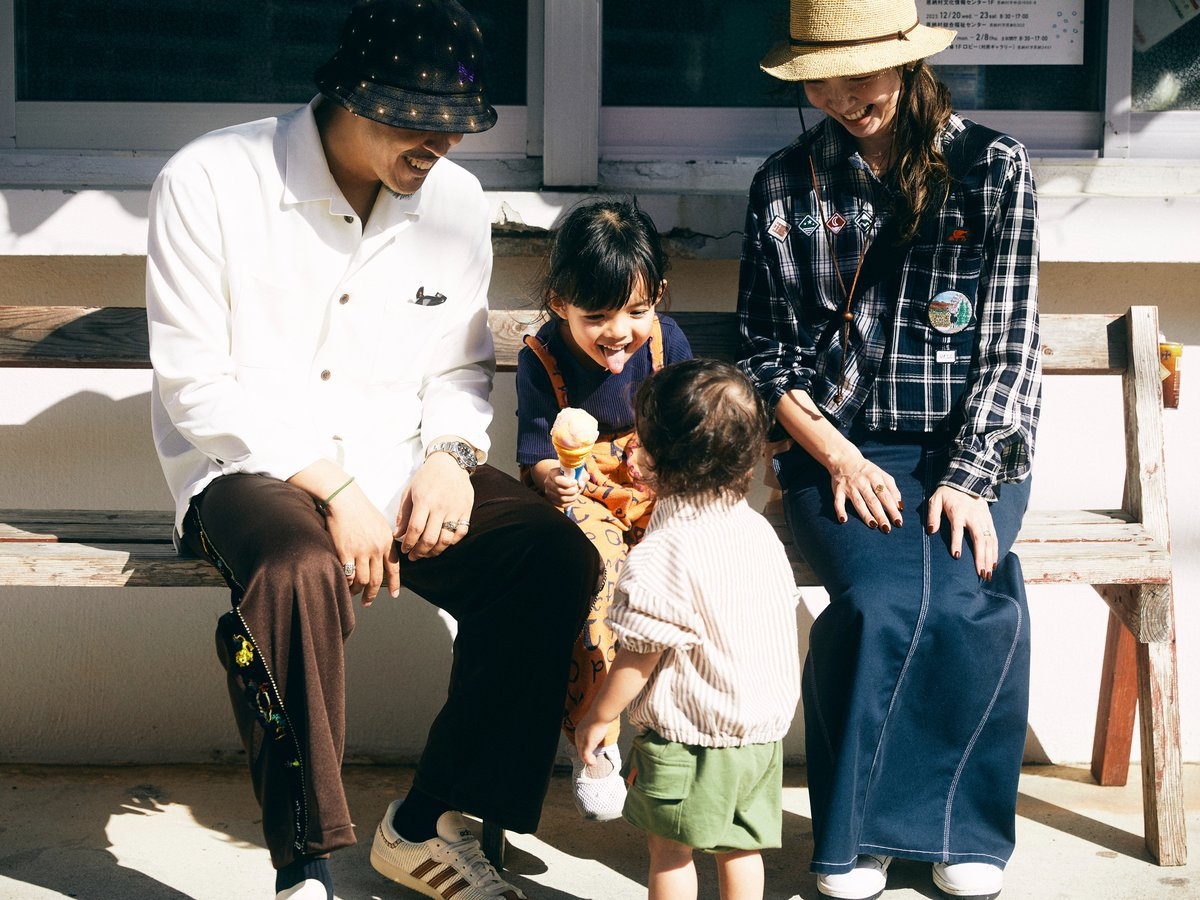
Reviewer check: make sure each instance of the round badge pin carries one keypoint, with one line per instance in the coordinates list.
(950, 312)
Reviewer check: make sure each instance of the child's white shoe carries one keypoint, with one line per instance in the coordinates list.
(600, 789)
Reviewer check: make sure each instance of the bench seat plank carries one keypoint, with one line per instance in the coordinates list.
(126, 547)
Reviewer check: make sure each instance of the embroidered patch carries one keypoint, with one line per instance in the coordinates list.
(245, 653)
(836, 222)
(779, 229)
(950, 312)
(958, 236)
(945, 356)
(864, 220)
(808, 225)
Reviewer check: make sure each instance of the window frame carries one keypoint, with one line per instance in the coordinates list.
(564, 124)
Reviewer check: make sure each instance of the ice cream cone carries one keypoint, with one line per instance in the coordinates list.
(572, 460)
(574, 434)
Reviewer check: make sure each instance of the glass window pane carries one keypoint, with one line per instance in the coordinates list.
(691, 53)
(706, 53)
(215, 51)
(1166, 59)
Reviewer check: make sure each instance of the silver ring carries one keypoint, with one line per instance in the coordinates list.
(450, 527)
(349, 568)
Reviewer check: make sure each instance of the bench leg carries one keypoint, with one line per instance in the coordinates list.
(494, 844)
(1117, 707)
(1162, 769)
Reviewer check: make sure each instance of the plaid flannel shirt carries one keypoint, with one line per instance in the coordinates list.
(981, 383)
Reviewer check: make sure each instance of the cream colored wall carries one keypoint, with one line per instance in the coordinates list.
(101, 675)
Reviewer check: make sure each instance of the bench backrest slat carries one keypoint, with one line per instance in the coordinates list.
(115, 337)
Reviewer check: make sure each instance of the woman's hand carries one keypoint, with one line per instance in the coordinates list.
(972, 515)
(872, 492)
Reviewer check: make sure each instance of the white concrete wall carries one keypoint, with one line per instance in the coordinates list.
(102, 675)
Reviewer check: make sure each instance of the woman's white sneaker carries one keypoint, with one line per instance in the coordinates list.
(968, 881)
(865, 881)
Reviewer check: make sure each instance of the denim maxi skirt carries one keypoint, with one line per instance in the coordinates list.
(916, 685)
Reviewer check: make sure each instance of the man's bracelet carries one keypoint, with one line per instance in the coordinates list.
(323, 505)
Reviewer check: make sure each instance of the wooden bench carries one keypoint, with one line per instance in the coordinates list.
(1123, 553)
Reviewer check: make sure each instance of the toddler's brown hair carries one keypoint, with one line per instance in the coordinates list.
(703, 426)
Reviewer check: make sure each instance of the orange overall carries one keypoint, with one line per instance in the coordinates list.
(613, 509)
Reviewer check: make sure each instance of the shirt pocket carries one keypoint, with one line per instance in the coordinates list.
(272, 328)
(407, 339)
(942, 295)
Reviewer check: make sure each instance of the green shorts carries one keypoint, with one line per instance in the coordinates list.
(714, 799)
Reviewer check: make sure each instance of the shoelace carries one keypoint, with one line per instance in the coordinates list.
(478, 871)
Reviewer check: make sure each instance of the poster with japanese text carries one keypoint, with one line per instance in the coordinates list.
(1008, 32)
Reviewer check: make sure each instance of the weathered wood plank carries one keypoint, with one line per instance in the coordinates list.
(1116, 709)
(116, 337)
(102, 565)
(111, 337)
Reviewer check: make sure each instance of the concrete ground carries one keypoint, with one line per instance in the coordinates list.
(174, 832)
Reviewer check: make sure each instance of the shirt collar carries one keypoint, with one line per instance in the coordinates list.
(307, 178)
(690, 508)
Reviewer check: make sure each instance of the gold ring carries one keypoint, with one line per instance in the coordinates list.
(987, 534)
(879, 489)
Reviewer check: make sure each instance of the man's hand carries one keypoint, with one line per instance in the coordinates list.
(435, 510)
(364, 543)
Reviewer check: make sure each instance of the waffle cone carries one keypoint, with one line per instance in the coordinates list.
(573, 458)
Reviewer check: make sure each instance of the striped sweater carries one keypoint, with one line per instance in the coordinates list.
(711, 585)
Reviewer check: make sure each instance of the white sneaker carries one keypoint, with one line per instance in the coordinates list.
(449, 865)
(865, 881)
(308, 889)
(600, 789)
(972, 881)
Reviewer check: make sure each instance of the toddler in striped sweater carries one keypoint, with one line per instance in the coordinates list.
(705, 616)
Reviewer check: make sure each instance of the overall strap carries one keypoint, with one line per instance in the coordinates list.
(551, 364)
(656, 344)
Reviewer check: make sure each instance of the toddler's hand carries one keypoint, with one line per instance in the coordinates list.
(560, 488)
(589, 737)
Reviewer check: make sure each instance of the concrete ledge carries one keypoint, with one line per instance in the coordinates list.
(1093, 210)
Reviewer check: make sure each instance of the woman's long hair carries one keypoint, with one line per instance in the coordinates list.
(923, 178)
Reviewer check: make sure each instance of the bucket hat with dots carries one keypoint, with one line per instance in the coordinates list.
(415, 64)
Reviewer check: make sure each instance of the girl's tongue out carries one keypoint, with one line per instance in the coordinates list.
(615, 359)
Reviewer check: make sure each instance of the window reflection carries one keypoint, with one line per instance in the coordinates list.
(1166, 58)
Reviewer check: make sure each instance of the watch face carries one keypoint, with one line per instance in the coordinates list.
(463, 453)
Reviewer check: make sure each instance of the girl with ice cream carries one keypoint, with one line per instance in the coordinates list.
(605, 276)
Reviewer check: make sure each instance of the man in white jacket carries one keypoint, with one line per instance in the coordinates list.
(317, 301)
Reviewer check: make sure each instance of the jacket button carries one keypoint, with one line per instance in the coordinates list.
(344, 299)
(326, 375)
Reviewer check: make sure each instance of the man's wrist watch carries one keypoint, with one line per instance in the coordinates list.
(462, 452)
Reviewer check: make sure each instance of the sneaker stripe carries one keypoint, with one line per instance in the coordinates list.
(455, 888)
(440, 878)
(424, 867)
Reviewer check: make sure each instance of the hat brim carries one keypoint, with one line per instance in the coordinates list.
(789, 63)
(459, 113)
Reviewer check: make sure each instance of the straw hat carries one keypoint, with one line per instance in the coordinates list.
(415, 64)
(835, 38)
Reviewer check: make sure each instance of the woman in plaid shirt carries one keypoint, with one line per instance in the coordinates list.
(888, 309)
